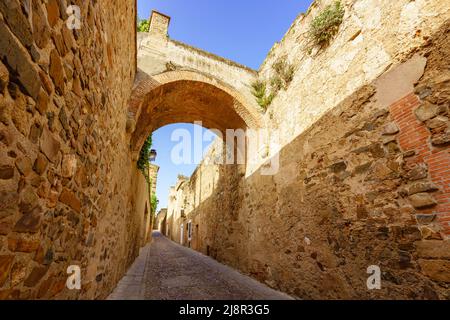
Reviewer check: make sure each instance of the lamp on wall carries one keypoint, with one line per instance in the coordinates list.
(152, 155)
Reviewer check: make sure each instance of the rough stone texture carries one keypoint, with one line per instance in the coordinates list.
(422, 200)
(24, 165)
(342, 199)
(391, 128)
(40, 164)
(374, 37)
(441, 139)
(30, 222)
(6, 172)
(5, 228)
(69, 166)
(437, 122)
(438, 270)
(49, 145)
(17, 58)
(4, 77)
(36, 274)
(419, 171)
(433, 249)
(63, 98)
(426, 112)
(57, 71)
(418, 187)
(5, 265)
(19, 244)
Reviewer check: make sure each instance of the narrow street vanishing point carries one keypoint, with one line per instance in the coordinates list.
(165, 270)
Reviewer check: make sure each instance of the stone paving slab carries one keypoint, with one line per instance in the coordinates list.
(167, 271)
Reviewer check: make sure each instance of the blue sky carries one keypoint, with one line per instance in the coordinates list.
(168, 171)
(241, 30)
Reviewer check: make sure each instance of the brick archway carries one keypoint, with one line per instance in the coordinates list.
(186, 96)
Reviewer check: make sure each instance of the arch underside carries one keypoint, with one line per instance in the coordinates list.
(171, 100)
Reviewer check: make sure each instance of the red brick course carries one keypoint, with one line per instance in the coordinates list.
(414, 135)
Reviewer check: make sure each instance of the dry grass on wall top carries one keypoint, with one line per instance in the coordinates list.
(284, 73)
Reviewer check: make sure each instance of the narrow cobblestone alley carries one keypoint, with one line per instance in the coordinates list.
(167, 271)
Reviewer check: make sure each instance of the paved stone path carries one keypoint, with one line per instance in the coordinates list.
(167, 271)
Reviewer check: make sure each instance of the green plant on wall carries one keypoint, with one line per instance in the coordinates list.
(284, 73)
(326, 25)
(263, 98)
(143, 165)
(276, 83)
(143, 25)
(154, 203)
(142, 162)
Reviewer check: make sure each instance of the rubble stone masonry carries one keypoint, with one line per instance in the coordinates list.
(65, 170)
(363, 181)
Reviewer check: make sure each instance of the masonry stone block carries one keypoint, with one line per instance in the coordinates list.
(19, 60)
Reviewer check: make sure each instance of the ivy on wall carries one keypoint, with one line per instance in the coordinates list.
(143, 166)
(142, 162)
(154, 202)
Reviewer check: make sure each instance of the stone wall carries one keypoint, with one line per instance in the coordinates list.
(363, 181)
(374, 36)
(141, 206)
(161, 221)
(153, 174)
(65, 171)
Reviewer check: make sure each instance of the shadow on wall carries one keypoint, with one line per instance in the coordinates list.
(350, 194)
